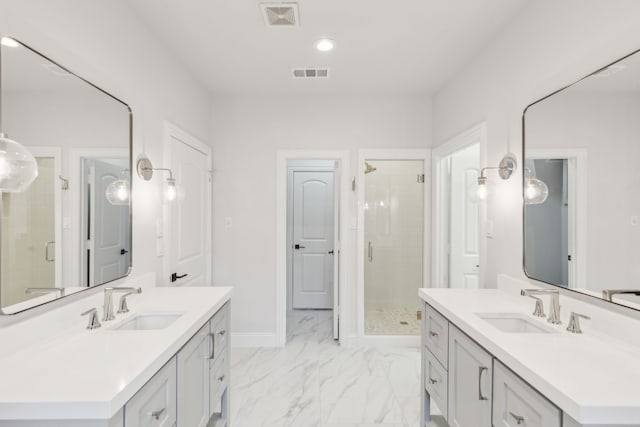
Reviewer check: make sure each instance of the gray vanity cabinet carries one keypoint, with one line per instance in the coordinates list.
(154, 405)
(470, 382)
(193, 380)
(203, 375)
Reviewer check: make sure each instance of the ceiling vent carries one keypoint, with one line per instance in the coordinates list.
(310, 73)
(280, 14)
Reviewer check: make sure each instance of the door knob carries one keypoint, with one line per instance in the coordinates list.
(297, 246)
(330, 252)
(123, 251)
(175, 276)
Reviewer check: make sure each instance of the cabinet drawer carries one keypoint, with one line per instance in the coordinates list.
(219, 326)
(218, 382)
(435, 381)
(154, 405)
(515, 403)
(436, 334)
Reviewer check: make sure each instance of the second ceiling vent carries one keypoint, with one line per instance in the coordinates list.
(280, 14)
(310, 73)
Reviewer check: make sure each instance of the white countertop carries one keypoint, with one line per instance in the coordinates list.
(83, 374)
(592, 377)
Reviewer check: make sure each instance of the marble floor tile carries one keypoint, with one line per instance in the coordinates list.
(313, 382)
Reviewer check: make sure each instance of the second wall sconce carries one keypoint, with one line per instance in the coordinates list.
(145, 171)
(507, 166)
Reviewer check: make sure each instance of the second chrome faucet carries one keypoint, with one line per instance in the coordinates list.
(108, 301)
(554, 311)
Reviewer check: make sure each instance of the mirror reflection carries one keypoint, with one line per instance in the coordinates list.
(71, 227)
(582, 225)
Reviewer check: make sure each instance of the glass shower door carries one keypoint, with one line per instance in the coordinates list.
(393, 233)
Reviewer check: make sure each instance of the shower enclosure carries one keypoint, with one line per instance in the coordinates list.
(393, 246)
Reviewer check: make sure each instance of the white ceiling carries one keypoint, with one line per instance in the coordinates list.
(382, 47)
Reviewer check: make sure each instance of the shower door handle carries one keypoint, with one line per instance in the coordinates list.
(370, 252)
(46, 251)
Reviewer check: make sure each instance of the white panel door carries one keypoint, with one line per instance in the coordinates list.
(109, 227)
(464, 265)
(313, 236)
(189, 215)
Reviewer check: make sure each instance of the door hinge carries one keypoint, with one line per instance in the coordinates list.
(569, 258)
(353, 184)
(421, 178)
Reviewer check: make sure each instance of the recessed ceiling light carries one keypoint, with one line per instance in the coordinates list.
(324, 45)
(6, 41)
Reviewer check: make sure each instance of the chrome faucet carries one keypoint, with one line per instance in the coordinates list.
(94, 323)
(44, 291)
(574, 322)
(609, 293)
(554, 312)
(108, 300)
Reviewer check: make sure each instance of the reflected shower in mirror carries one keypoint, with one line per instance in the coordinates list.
(63, 234)
(581, 142)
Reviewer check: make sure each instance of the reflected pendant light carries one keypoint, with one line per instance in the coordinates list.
(535, 191)
(18, 167)
(118, 192)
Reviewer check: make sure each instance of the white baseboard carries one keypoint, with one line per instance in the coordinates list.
(247, 339)
(385, 341)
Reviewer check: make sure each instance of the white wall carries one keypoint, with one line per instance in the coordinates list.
(550, 44)
(104, 43)
(246, 134)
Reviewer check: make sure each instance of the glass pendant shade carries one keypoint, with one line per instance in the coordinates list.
(535, 191)
(478, 190)
(118, 192)
(170, 190)
(18, 167)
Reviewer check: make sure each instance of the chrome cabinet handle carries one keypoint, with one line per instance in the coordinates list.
(519, 419)
(46, 251)
(433, 381)
(433, 334)
(213, 345)
(481, 370)
(157, 414)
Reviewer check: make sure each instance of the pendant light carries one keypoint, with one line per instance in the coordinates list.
(535, 190)
(18, 167)
(478, 190)
(118, 192)
(145, 170)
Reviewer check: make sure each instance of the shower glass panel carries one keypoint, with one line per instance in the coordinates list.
(28, 240)
(393, 232)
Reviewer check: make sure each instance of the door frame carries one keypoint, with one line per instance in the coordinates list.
(474, 135)
(173, 131)
(77, 195)
(390, 154)
(282, 158)
(577, 171)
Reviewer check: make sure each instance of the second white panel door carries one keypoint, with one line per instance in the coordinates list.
(189, 215)
(313, 239)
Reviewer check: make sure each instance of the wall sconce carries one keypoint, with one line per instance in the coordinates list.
(145, 171)
(118, 192)
(535, 190)
(507, 166)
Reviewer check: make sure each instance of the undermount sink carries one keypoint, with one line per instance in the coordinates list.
(515, 323)
(149, 321)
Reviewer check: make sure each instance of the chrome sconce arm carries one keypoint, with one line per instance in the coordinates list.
(145, 171)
